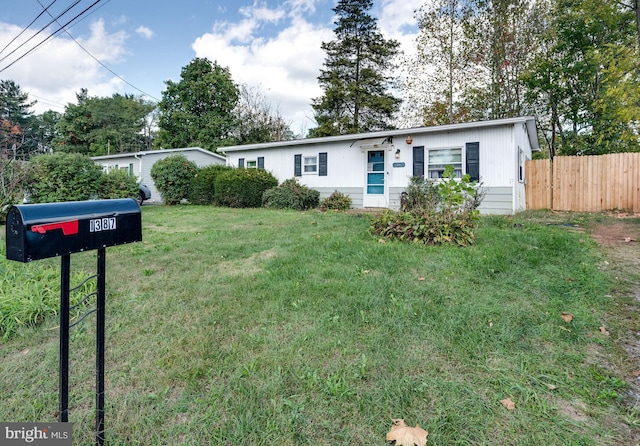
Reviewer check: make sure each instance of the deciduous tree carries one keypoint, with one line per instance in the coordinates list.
(198, 109)
(102, 126)
(15, 115)
(256, 121)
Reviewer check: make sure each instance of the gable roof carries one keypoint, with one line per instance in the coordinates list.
(152, 152)
(528, 121)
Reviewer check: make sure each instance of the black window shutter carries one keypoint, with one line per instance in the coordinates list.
(418, 161)
(473, 160)
(261, 162)
(297, 165)
(241, 163)
(322, 167)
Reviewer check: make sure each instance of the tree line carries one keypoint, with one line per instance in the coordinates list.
(573, 64)
(206, 108)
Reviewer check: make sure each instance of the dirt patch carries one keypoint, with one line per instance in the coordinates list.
(618, 236)
(248, 266)
(574, 412)
(619, 239)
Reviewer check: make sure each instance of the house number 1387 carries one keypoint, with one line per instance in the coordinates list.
(102, 224)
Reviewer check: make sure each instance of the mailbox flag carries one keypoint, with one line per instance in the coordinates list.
(68, 227)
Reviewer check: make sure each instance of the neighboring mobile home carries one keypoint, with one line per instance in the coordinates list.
(140, 163)
(374, 168)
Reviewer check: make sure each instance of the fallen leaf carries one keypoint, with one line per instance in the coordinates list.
(382, 240)
(629, 239)
(508, 404)
(366, 271)
(421, 278)
(551, 387)
(567, 317)
(490, 323)
(603, 330)
(404, 435)
(564, 328)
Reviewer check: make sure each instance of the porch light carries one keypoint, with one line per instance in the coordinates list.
(398, 154)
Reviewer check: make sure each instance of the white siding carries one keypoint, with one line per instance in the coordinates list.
(144, 161)
(346, 161)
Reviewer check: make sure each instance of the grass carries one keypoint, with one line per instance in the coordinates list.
(270, 327)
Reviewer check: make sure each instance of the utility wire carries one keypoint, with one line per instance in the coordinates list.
(39, 31)
(102, 64)
(27, 27)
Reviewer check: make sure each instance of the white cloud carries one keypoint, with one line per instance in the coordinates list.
(60, 68)
(285, 66)
(144, 32)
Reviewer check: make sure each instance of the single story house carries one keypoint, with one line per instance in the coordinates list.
(140, 163)
(374, 168)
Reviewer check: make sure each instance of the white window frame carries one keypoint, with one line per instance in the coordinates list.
(431, 165)
(310, 164)
(522, 159)
(251, 164)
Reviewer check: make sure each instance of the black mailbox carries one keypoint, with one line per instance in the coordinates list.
(39, 231)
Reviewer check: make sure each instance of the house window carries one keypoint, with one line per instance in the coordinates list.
(310, 164)
(438, 159)
(252, 164)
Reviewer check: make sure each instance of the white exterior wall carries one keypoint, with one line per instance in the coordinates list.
(144, 161)
(346, 162)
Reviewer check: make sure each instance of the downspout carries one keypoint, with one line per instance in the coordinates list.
(136, 156)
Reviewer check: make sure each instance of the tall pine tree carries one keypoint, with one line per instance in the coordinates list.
(354, 79)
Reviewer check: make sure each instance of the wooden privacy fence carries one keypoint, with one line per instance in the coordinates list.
(584, 183)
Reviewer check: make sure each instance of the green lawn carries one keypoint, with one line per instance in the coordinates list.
(258, 327)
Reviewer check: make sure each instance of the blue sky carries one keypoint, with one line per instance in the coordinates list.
(272, 45)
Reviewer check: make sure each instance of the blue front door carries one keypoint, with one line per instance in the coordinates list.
(375, 188)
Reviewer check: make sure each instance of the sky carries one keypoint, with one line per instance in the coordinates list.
(135, 46)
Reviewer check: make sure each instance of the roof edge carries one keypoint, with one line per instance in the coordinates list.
(149, 152)
(529, 121)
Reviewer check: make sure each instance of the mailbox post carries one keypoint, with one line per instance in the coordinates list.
(39, 231)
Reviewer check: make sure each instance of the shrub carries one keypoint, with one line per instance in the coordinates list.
(446, 217)
(337, 201)
(421, 194)
(202, 188)
(117, 184)
(172, 177)
(291, 195)
(13, 175)
(242, 188)
(64, 177)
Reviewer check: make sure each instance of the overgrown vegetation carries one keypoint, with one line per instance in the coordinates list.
(13, 181)
(337, 201)
(172, 176)
(434, 212)
(240, 326)
(243, 188)
(118, 184)
(202, 188)
(30, 294)
(291, 195)
(75, 177)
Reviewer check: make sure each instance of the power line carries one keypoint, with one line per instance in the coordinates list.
(27, 27)
(63, 28)
(39, 31)
(102, 64)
